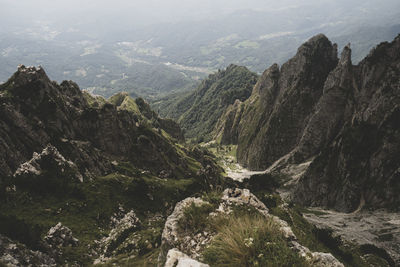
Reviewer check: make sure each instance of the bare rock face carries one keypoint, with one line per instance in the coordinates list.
(282, 102)
(60, 236)
(49, 158)
(171, 236)
(332, 110)
(122, 227)
(241, 197)
(342, 118)
(359, 154)
(374, 231)
(321, 259)
(47, 173)
(15, 254)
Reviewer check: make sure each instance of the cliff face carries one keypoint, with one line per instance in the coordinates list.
(360, 157)
(344, 117)
(333, 109)
(283, 101)
(227, 128)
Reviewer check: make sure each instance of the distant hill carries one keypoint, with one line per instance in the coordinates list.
(198, 111)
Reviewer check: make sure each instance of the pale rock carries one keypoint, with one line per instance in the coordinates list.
(175, 258)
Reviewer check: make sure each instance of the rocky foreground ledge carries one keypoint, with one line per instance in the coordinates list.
(179, 247)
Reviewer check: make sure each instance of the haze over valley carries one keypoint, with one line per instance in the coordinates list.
(152, 48)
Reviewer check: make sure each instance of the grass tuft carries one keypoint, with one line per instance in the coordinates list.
(250, 240)
(195, 218)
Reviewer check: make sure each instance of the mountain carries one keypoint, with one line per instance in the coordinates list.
(79, 173)
(271, 126)
(43, 112)
(198, 112)
(360, 147)
(87, 180)
(343, 118)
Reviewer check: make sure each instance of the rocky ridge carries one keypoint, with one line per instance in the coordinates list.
(340, 119)
(282, 101)
(49, 156)
(43, 112)
(363, 152)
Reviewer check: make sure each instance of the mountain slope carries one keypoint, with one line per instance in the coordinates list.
(340, 117)
(82, 176)
(282, 102)
(36, 111)
(199, 111)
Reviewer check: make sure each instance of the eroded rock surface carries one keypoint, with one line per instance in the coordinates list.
(339, 118)
(60, 236)
(172, 237)
(49, 158)
(16, 254)
(281, 103)
(360, 161)
(122, 227)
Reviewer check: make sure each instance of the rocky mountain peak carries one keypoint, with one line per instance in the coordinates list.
(319, 46)
(287, 98)
(354, 135)
(341, 118)
(25, 75)
(32, 88)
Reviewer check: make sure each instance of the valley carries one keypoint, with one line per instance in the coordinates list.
(216, 165)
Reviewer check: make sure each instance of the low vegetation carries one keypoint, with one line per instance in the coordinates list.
(195, 218)
(250, 240)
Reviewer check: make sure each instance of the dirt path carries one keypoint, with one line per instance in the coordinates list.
(239, 173)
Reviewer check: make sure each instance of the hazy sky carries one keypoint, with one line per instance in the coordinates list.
(146, 11)
(140, 11)
(19, 12)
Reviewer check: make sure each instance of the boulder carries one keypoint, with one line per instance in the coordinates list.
(60, 236)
